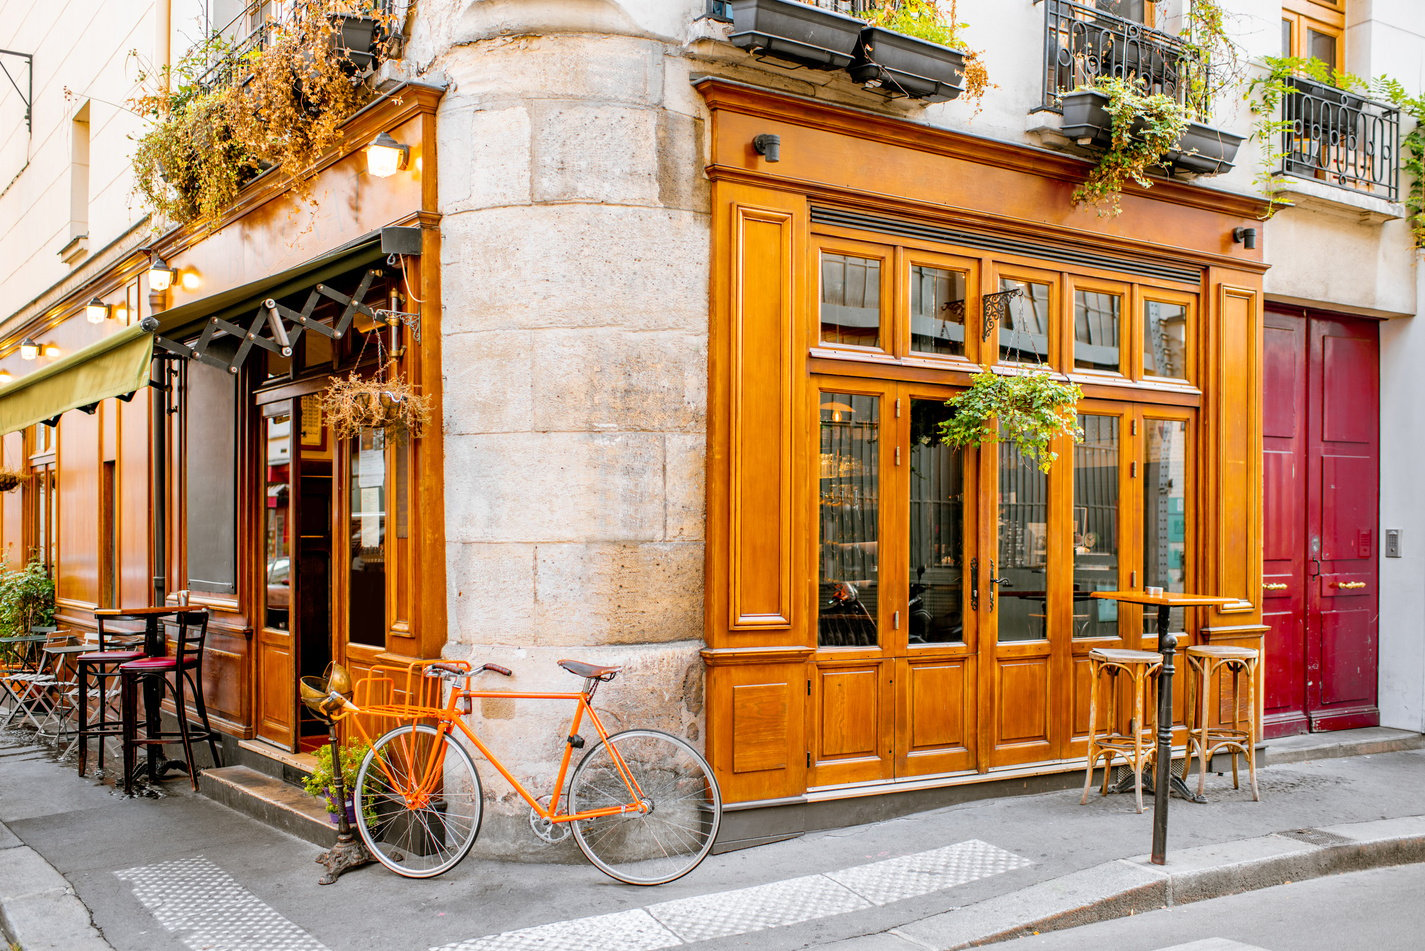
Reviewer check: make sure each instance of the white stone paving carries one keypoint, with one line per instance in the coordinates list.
(209, 911)
(773, 905)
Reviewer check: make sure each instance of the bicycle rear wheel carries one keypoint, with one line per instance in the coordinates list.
(684, 807)
(418, 801)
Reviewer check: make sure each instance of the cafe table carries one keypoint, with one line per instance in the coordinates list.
(154, 645)
(1164, 601)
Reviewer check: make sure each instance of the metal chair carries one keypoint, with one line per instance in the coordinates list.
(100, 669)
(186, 668)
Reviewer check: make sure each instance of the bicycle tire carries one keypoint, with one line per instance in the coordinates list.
(415, 835)
(664, 843)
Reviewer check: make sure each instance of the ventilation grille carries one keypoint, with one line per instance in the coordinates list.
(1182, 274)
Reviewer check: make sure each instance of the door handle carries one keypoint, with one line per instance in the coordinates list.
(994, 581)
(1273, 587)
(974, 584)
(1352, 585)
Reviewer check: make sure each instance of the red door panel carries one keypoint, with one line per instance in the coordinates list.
(1321, 425)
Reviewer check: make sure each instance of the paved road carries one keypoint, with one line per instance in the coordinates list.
(1377, 910)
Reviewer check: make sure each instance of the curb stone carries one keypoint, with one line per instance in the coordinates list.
(1131, 886)
(38, 908)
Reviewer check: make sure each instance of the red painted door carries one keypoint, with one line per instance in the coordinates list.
(1321, 428)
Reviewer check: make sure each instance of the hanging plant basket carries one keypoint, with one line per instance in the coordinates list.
(1031, 409)
(12, 479)
(381, 402)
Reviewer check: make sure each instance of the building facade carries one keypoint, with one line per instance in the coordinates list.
(689, 388)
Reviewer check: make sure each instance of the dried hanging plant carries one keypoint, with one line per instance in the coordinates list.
(354, 403)
(11, 479)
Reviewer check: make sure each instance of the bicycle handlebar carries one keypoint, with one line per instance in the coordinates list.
(448, 670)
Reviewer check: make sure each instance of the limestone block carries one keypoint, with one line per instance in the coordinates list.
(559, 66)
(593, 379)
(484, 157)
(685, 485)
(618, 593)
(488, 380)
(553, 487)
(576, 266)
(595, 152)
(681, 159)
(491, 592)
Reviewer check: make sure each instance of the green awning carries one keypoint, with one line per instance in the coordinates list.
(115, 366)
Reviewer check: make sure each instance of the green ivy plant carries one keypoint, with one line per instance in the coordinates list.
(1145, 127)
(1029, 410)
(1214, 59)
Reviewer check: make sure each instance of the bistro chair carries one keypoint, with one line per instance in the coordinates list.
(99, 670)
(1136, 746)
(1206, 662)
(186, 667)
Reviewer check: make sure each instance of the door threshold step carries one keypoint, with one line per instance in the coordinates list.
(302, 762)
(269, 800)
(1310, 746)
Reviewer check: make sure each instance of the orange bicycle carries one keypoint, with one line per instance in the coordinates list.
(642, 805)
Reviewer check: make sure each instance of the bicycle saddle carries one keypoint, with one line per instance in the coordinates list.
(591, 671)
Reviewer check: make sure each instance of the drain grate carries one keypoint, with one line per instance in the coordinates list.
(1315, 837)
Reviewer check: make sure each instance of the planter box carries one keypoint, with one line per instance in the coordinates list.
(355, 38)
(907, 64)
(1202, 149)
(796, 32)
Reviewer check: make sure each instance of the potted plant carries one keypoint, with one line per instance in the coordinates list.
(1143, 130)
(796, 32)
(1028, 409)
(382, 401)
(11, 479)
(318, 783)
(907, 47)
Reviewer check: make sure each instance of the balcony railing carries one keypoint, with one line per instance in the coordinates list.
(1342, 139)
(1082, 43)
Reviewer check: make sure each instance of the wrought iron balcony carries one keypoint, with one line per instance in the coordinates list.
(1341, 138)
(1082, 43)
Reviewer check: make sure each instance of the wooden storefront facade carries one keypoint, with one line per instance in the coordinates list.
(305, 548)
(885, 613)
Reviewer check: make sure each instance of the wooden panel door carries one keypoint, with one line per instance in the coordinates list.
(1321, 424)
(1343, 494)
(1284, 574)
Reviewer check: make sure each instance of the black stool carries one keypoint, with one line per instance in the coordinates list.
(101, 668)
(186, 666)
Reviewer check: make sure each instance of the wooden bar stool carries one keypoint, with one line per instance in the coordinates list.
(186, 668)
(1205, 663)
(1135, 747)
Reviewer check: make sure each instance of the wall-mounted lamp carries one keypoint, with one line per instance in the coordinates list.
(190, 280)
(160, 275)
(768, 146)
(29, 350)
(386, 156)
(96, 311)
(1246, 237)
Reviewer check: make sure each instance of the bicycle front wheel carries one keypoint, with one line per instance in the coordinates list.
(417, 801)
(679, 821)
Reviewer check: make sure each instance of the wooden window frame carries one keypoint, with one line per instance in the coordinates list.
(1127, 335)
(1324, 18)
(1143, 294)
(908, 258)
(890, 331)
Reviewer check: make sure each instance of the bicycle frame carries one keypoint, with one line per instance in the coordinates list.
(450, 715)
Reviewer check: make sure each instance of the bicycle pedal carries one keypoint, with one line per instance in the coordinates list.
(576, 741)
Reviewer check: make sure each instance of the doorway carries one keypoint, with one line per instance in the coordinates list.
(1321, 451)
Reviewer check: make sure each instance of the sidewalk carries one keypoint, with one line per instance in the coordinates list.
(180, 873)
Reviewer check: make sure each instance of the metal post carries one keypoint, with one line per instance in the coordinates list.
(347, 853)
(1167, 644)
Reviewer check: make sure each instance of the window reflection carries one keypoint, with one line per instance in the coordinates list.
(1165, 509)
(367, 586)
(850, 300)
(1165, 340)
(1024, 327)
(849, 508)
(1096, 526)
(278, 521)
(1023, 547)
(937, 310)
(1096, 330)
(937, 506)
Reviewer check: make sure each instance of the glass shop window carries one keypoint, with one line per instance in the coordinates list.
(1096, 329)
(1165, 340)
(849, 520)
(1024, 326)
(1023, 547)
(1096, 500)
(850, 300)
(937, 521)
(937, 311)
